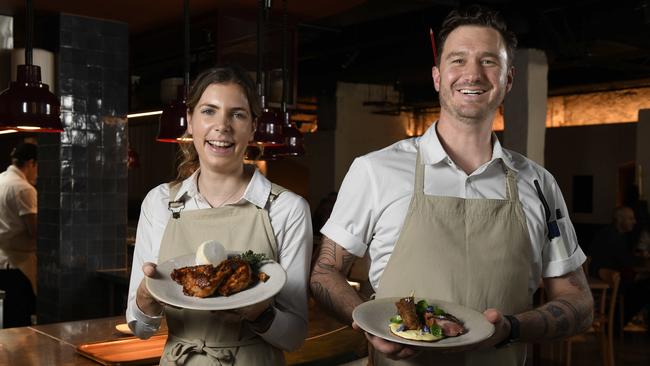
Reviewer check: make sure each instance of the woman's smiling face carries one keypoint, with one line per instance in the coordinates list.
(221, 125)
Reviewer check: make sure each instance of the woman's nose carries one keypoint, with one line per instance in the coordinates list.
(221, 123)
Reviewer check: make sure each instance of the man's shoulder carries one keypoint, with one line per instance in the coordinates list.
(526, 166)
(394, 153)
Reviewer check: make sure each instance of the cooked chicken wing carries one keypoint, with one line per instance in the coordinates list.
(240, 279)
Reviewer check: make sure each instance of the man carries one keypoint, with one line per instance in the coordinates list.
(613, 248)
(453, 216)
(18, 210)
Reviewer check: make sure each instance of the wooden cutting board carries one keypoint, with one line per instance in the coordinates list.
(129, 351)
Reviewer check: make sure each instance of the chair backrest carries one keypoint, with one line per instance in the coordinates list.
(613, 278)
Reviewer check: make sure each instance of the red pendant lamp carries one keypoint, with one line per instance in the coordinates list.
(293, 139)
(269, 124)
(173, 120)
(28, 105)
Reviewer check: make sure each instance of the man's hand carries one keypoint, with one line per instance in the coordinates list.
(392, 350)
(501, 328)
(145, 301)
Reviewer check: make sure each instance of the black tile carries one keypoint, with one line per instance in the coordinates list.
(79, 201)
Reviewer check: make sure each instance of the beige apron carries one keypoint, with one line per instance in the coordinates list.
(474, 252)
(217, 338)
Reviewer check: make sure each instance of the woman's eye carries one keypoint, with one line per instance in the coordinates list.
(207, 111)
(239, 115)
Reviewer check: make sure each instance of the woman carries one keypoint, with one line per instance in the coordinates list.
(220, 198)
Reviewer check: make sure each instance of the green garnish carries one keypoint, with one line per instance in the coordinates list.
(254, 259)
(396, 319)
(421, 307)
(438, 311)
(435, 330)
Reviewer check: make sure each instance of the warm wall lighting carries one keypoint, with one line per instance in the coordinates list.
(597, 108)
(7, 131)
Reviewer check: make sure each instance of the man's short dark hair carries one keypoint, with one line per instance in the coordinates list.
(480, 16)
(24, 153)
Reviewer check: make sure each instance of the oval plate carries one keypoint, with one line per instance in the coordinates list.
(164, 289)
(374, 316)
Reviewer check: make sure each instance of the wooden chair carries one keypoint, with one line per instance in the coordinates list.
(602, 326)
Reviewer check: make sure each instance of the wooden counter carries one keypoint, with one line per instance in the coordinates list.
(328, 342)
(55, 344)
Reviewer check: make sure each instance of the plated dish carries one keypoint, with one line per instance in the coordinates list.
(166, 290)
(374, 317)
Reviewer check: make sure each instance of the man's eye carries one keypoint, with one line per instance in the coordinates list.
(207, 111)
(239, 115)
(457, 61)
(488, 62)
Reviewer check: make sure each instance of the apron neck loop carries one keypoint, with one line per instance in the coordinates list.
(512, 193)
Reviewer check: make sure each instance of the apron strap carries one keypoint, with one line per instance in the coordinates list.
(175, 206)
(223, 353)
(419, 175)
(276, 190)
(512, 192)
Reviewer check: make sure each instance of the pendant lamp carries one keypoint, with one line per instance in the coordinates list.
(28, 105)
(173, 120)
(293, 139)
(269, 123)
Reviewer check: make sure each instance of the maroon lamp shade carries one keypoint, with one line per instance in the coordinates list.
(173, 120)
(293, 139)
(28, 105)
(269, 129)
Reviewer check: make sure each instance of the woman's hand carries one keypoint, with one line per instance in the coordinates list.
(147, 303)
(392, 350)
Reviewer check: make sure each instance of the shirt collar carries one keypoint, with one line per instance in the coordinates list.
(12, 168)
(432, 152)
(257, 192)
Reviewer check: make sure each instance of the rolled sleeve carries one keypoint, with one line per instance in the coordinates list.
(27, 201)
(340, 236)
(561, 267)
(353, 218)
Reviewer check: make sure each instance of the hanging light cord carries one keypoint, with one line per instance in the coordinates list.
(29, 21)
(186, 14)
(285, 91)
(260, 19)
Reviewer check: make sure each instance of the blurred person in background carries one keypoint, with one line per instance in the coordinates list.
(18, 210)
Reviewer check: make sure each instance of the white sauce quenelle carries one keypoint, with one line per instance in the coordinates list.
(210, 252)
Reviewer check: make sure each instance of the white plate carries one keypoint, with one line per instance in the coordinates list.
(164, 289)
(374, 317)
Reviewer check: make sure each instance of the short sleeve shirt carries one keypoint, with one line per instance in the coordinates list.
(375, 195)
(17, 198)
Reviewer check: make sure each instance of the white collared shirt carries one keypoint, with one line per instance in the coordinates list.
(374, 198)
(17, 198)
(291, 222)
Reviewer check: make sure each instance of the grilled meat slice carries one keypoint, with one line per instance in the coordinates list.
(406, 309)
(200, 281)
(239, 280)
(263, 276)
(450, 328)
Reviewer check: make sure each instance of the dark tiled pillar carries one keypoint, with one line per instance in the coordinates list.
(83, 173)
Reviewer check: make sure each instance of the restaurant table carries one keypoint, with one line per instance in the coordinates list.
(55, 344)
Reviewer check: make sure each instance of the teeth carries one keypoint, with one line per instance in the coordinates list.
(220, 143)
(473, 92)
